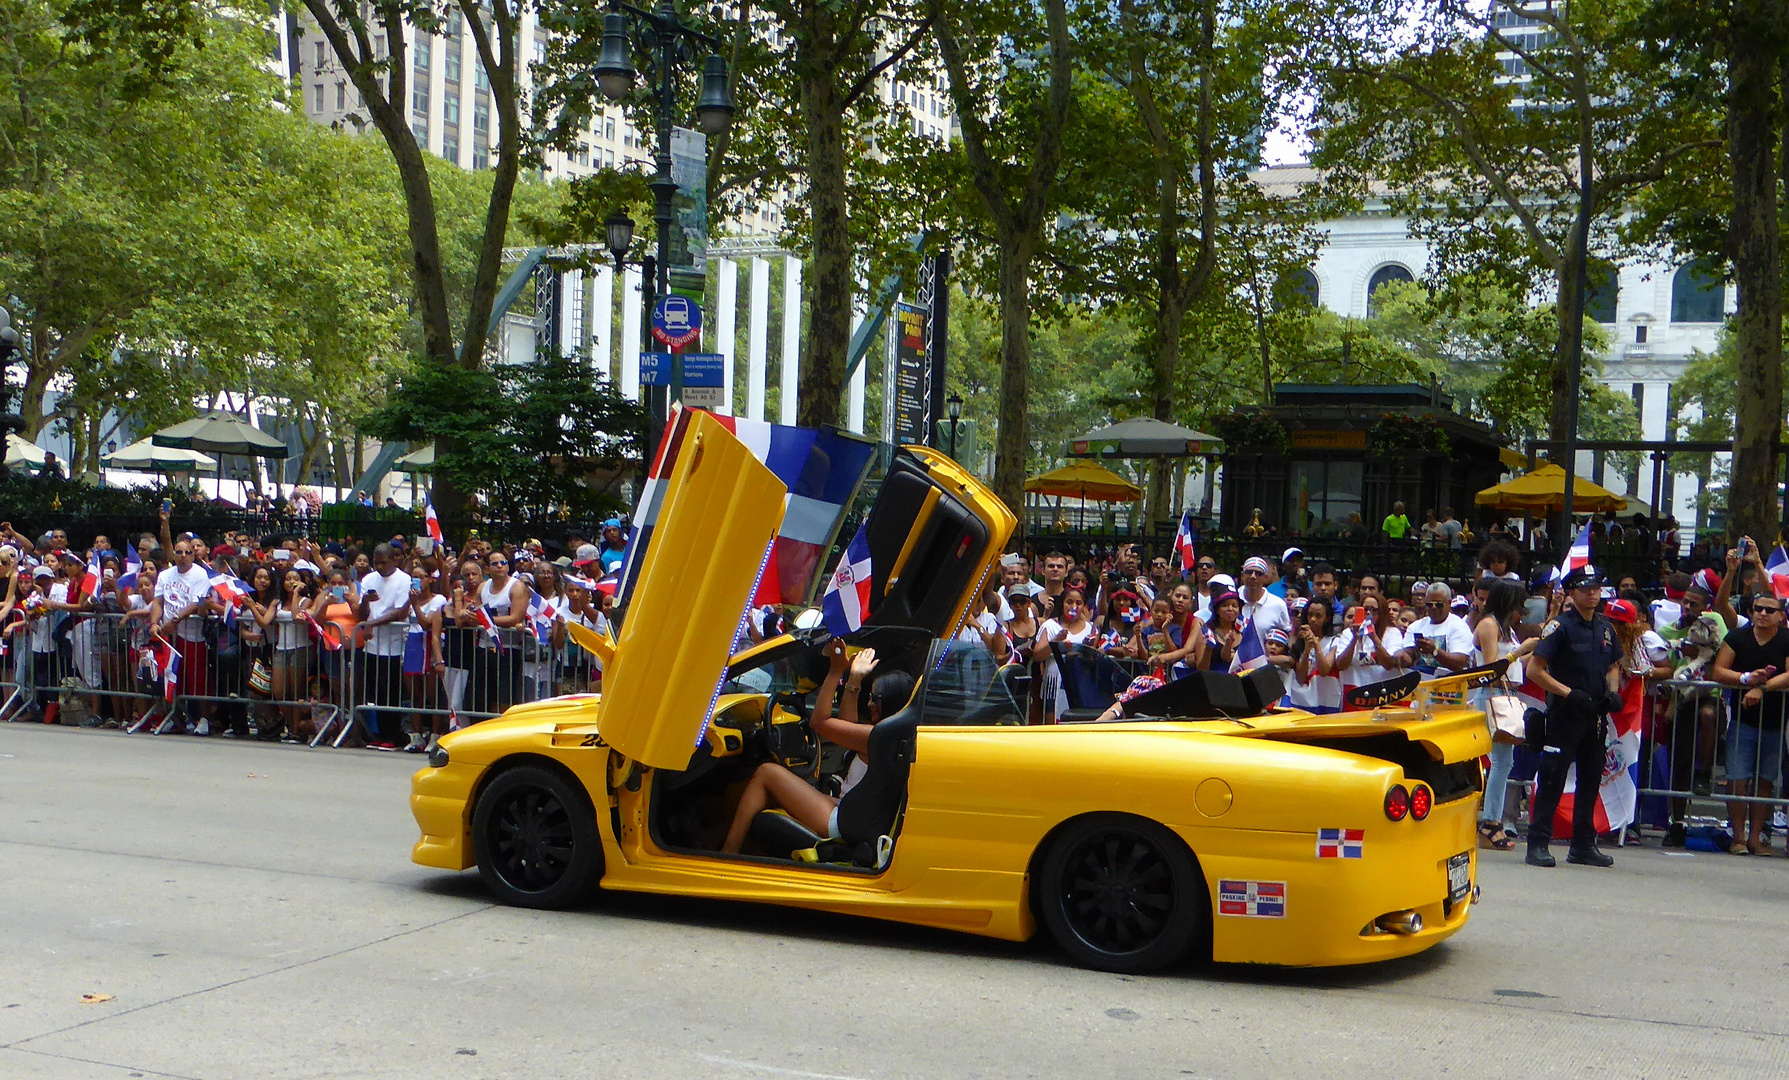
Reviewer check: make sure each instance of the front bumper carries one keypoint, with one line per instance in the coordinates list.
(441, 801)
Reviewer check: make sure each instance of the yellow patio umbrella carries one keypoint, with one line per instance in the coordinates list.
(1087, 481)
(1543, 491)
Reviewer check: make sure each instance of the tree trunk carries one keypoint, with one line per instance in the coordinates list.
(1012, 446)
(1753, 506)
(1567, 349)
(829, 308)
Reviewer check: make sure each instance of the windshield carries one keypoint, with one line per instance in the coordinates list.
(966, 686)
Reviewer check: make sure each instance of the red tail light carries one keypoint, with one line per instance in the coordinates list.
(1422, 800)
(1397, 803)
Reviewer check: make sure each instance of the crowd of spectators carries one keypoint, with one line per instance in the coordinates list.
(263, 636)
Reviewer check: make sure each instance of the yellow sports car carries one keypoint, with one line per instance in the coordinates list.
(1206, 823)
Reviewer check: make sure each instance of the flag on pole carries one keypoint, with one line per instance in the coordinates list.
(431, 522)
(167, 660)
(847, 600)
(1778, 569)
(1618, 789)
(328, 633)
(1183, 543)
(1575, 556)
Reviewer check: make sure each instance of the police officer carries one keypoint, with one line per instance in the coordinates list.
(1578, 663)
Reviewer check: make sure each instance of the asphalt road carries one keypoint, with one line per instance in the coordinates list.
(251, 911)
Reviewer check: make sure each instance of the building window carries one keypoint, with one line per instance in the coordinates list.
(1605, 292)
(1323, 491)
(419, 99)
(423, 51)
(420, 128)
(540, 51)
(1298, 287)
(1639, 339)
(317, 100)
(450, 148)
(450, 109)
(1384, 276)
(481, 119)
(1697, 294)
(608, 159)
(322, 53)
(341, 95)
(609, 128)
(481, 157)
(456, 23)
(582, 157)
(453, 63)
(479, 78)
(379, 47)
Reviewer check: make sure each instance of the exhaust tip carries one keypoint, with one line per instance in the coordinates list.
(1400, 922)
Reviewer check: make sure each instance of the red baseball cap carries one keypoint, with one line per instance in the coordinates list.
(1622, 611)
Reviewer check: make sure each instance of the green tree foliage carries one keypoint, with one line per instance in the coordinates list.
(535, 439)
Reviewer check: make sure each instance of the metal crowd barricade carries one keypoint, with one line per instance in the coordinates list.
(89, 658)
(1695, 750)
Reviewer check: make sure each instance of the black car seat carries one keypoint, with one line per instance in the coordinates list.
(1264, 687)
(1202, 695)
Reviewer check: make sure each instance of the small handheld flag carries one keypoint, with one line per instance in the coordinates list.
(133, 565)
(1183, 543)
(1577, 555)
(431, 522)
(1778, 569)
(847, 600)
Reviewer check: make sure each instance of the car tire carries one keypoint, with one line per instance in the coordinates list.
(535, 838)
(1123, 894)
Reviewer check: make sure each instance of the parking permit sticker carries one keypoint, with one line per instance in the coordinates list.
(1254, 899)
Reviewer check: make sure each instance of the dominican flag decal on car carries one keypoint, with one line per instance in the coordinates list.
(1341, 843)
(847, 599)
(1258, 899)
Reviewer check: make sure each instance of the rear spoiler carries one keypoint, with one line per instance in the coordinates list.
(1449, 691)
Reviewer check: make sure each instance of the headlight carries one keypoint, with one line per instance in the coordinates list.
(438, 757)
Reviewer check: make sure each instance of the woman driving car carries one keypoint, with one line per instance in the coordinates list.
(773, 785)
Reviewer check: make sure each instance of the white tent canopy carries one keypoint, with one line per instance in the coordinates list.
(21, 452)
(144, 456)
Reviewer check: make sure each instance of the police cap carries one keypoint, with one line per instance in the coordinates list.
(1582, 576)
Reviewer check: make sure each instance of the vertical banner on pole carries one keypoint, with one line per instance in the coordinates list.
(757, 328)
(631, 283)
(726, 331)
(935, 297)
(912, 412)
(791, 338)
(860, 309)
(602, 316)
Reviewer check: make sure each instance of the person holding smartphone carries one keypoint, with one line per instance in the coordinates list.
(383, 613)
(1439, 642)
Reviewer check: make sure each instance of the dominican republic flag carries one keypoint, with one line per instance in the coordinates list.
(1255, 899)
(1183, 543)
(1778, 569)
(541, 615)
(1575, 556)
(1341, 843)
(133, 566)
(90, 581)
(847, 599)
(328, 633)
(482, 615)
(229, 588)
(821, 470)
(1249, 652)
(1618, 793)
(430, 521)
(574, 581)
(167, 659)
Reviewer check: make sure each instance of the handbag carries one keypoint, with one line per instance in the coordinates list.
(1504, 713)
(260, 679)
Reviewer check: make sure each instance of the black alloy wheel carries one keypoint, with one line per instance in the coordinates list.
(1122, 894)
(535, 839)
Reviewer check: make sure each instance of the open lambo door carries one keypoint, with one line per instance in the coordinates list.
(721, 507)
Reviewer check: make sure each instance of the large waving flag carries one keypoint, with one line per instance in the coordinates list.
(1778, 569)
(1575, 556)
(90, 580)
(1183, 543)
(1618, 790)
(1249, 652)
(846, 603)
(821, 469)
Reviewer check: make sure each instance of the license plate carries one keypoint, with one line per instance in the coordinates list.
(1459, 876)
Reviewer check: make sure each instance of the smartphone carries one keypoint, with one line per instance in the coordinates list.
(340, 592)
(167, 506)
(1358, 616)
(415, 585)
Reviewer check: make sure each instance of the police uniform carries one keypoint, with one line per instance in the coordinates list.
(1578, 652)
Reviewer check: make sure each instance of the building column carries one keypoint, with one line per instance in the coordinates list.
(726, 329)
(757, 328)
(630, 333)
(571, 312)
(791, 337)
(602, 315)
